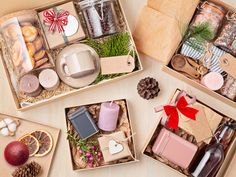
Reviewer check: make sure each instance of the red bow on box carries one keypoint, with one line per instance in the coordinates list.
(172, 112)
(56, 20)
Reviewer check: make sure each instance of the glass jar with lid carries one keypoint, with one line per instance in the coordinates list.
(100, 17)
(210, 13)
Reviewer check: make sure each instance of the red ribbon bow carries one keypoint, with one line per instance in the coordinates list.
(181, 106)
(56, 20)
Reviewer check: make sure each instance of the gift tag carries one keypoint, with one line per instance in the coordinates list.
(72, 27)
(118, 64)
(114, 147)
(200, 128)
(228, 64)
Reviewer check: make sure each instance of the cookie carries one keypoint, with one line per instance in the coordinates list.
(39, 55)
(26, 24)
(41, 62)
(38, 43)
(30, 33)
(31, 49)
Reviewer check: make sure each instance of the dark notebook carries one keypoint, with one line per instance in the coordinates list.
(83, 123)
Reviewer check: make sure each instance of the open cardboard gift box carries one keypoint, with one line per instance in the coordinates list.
(215, 121)
(100, 137)
(54, 44)
(163, 25)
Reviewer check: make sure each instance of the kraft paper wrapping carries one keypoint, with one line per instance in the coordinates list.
(181, 10)
(157, 35)
(161, 26)
(198, 128)
(56, 39)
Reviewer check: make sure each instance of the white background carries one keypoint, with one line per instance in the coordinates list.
(141, 111)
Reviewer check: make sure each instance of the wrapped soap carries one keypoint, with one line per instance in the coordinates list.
(61, 25)
(24, 42)
(227, 38)
(114, 146)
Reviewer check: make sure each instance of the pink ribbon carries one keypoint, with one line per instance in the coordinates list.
(56, 20)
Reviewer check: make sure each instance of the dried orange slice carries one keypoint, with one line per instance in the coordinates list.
(31, 142)
(45, 142)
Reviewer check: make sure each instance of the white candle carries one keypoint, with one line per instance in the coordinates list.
(49, 79)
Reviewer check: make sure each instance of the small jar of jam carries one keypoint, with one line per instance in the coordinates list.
(210, 13)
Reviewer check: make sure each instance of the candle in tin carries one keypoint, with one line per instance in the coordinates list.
(108, 116)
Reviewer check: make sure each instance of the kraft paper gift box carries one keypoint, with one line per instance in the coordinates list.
(174, 10)
(114, 146)
(156, 25)
(153, 138)
(162, 24)
(56, 39)
(180, 10)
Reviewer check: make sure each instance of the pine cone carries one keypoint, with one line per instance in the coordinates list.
(29, 170)
(148, 88)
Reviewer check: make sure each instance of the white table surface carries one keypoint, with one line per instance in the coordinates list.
(141, 112)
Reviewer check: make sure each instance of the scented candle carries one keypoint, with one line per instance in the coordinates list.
(49, 79)
(108, 116)
(29, 84)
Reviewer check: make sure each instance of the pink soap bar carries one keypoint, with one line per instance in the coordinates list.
(29, 84)
(49, 79)
(108, 116)
(214, 81)
(174, 148)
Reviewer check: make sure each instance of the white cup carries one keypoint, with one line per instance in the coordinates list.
(78, 64)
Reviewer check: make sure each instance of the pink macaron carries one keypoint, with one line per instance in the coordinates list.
(213, 81)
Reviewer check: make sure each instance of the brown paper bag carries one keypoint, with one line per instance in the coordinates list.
(157, 35)
(181, 10)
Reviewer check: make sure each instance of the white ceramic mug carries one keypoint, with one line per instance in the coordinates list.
(78, 64)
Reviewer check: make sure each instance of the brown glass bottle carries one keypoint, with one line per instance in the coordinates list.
(213, 157)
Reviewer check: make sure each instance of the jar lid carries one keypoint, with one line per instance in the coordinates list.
(231, 15)
(90, 3)
(214, 7)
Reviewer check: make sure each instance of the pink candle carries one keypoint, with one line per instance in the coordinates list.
(214, 81)
(108, 116)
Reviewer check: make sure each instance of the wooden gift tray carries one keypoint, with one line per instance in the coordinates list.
(147, 151)
(63, 90)
(124, 124)
(24, 128)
